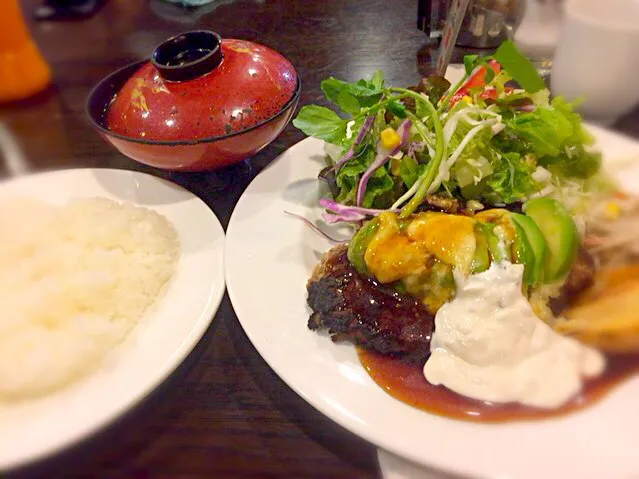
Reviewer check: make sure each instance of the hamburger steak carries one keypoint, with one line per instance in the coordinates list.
(358, 309)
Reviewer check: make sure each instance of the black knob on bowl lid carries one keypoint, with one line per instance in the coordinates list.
(188, 55)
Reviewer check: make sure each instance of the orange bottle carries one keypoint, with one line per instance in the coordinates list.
(23, 71)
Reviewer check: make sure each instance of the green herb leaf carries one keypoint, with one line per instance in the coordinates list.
(332, 87)
(348, 177)
(321, 123)
(469, 63)
(490, 73)
(408, 171)
(397, 108)
(379, 124)
(348, 103)
(342, 93)
(519, 67)
(378, 79)
(378, 184)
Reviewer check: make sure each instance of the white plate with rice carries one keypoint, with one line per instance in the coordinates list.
(108, 279)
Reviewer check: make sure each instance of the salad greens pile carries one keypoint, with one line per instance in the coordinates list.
(495, 137)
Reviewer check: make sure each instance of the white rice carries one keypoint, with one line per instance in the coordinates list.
(74, 280)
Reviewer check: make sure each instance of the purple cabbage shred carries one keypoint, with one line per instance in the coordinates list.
(358, 139)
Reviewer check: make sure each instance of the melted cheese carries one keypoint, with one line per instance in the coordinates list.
(434, 288)
(504, 229)
(450, 238)
(393, 255)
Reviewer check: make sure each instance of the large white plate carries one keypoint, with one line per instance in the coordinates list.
(157, 345)
(269, 258)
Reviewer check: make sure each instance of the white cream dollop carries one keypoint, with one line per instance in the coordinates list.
(489, 345)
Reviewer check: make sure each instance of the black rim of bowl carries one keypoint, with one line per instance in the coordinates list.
(104, 83)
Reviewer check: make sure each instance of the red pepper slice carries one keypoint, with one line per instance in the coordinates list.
(475, 80)
(489, 94)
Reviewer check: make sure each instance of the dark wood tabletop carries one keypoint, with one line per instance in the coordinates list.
(224, 413)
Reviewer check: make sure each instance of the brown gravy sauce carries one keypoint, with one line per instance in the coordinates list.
(406, 382)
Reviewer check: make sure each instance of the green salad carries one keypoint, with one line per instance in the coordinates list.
(495, 137)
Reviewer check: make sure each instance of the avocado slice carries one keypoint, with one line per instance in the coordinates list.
(359, 243)
(496, 250)
(560, 233)
(522, 252)
(508, 241)
(534, 273)
(481, 259)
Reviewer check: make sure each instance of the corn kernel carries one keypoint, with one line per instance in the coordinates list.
(389, 138)
(467, 99)
(612, 211)
(394, 166)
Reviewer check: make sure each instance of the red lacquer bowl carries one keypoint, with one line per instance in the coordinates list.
(199, 104)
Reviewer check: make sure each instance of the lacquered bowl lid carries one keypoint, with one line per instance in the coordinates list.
(198, 86)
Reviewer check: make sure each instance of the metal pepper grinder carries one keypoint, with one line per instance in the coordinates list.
(486, 25)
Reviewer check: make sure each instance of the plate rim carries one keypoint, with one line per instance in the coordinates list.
(167, 368)
(364, 432)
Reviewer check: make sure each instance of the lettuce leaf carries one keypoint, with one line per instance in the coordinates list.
(545, 130)
(556, 136)
(486, 170)
(475, 161)
(511, 179)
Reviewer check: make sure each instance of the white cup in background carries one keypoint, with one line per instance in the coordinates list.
(597, 57)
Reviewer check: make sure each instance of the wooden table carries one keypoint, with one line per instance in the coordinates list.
(224, 413)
